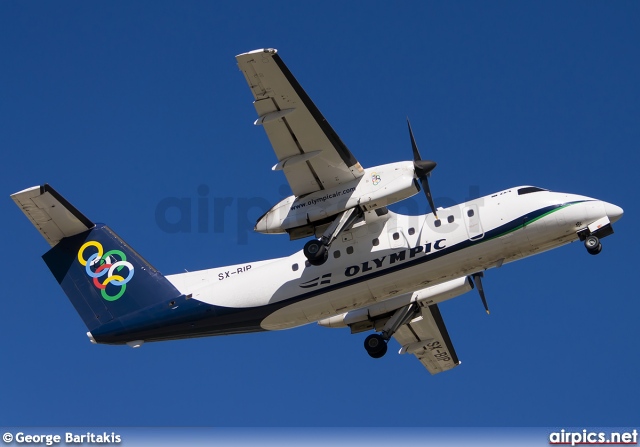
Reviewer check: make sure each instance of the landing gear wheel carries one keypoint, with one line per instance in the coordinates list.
(316, 252)
(593, 245)
(375, 345)
(596, 250)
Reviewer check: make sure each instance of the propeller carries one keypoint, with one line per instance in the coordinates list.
(477, 279)
(422, 169)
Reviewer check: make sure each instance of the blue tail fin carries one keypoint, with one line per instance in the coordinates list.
(118, 294)
(104, 278)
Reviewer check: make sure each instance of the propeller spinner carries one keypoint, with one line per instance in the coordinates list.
(422, 170)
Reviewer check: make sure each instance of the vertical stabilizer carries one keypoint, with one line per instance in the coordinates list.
(117, 293)
(104, 278)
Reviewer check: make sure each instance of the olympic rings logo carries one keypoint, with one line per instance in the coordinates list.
(100, 264)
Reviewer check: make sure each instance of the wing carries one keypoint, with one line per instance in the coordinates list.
(426, 337)
(309, 151)
(51, 214)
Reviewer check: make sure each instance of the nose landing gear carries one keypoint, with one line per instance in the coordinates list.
(593, 245)
(592, 234)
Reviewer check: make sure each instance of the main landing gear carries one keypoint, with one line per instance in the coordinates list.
(317, 250)
(593, 245)
(376, 344)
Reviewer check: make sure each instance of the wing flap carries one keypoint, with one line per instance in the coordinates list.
(295, 126)
(427, 338)
(52, 215)
(302, 179)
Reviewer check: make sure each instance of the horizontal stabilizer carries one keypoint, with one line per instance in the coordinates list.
(51, 214)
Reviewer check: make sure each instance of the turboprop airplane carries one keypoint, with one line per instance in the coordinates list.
(366, 268)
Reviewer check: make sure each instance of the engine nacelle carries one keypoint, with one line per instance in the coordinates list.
(379, 186)
(428, 296)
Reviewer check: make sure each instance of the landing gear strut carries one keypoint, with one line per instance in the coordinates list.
(593, 245)
(317, 250)
(376, 344)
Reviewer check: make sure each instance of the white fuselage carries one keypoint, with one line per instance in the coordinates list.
(386, 256)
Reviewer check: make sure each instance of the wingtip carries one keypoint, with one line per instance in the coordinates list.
(259, 50)
(26, 190)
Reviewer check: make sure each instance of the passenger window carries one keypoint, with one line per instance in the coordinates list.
(349, 250)
(294, 267)
(336, 254)
(450, 219)
(437, 223)
(375, 242)
(307, 264)
(470, 213)
(396, 236)
(412, 231)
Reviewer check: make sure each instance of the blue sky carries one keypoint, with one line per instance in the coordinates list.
(120, 105)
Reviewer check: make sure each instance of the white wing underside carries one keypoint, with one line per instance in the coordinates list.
(309, 152)
(426, 337)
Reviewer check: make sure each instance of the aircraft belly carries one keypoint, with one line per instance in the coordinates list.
(385, 284)
(405, 280)
(320, 306)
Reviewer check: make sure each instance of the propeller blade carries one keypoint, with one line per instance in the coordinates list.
(427, 192)
(422, 169)
(414, 146)
(477, 279)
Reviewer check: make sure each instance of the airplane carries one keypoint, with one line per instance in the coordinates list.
(365, 267)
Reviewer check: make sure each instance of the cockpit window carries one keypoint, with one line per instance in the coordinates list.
(530, 189)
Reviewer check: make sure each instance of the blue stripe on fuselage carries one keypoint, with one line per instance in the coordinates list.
(190, 318)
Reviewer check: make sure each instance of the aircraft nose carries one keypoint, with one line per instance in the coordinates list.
(614, 212)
